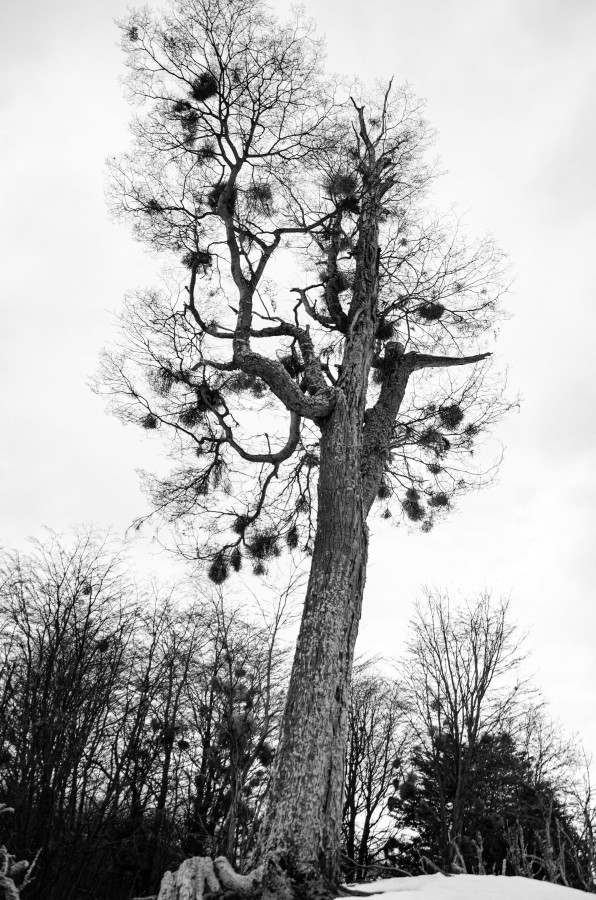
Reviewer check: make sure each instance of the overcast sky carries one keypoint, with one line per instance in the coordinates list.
(511, 89)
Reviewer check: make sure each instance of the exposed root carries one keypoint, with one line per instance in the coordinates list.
(14, 876)
(231, 880)
(200, 877)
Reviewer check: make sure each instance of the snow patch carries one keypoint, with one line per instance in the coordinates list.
(468, 887)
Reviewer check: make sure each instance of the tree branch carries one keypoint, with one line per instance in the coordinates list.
(273, 458)
(380, 419)
(285, 389)
(426, 361)
(327, 321)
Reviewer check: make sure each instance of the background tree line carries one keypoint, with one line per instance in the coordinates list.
(135, 728)
(138, 728)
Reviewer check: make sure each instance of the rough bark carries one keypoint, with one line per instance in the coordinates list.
(304, 812)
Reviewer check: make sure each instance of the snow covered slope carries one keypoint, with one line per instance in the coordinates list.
(468, 887)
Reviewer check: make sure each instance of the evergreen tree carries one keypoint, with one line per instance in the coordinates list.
(512, 823)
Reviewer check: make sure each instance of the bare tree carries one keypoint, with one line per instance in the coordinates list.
(236, 700)
(378, 736)
(462, 685)
(65, 638)
(319, 354)
(583, 805)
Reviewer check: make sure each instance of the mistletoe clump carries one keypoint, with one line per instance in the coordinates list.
(263, 546)
(342, 184)
(260, 195)
(241, 523)
(292, 537)
(236, 559)
(431, 311)
(432, 439)
(162, 380)
(206, 151)
(191, 415)
(440, 499)
(187, 117)
(218, 570)
(340, 282)
(384, 491)
(204, 87)
(412, 505)
(292, 364)
(154, 206)
(240, 381)
(150, 422)
(343, 190)
(384, 330)
(451, 416)
(217, 190)
(195, 258)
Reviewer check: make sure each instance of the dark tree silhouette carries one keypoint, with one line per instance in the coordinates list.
(462, 685)
(509, 818)
(314, 348)
(378, 738)
(65, 640)
(489, 785)
(134, 728)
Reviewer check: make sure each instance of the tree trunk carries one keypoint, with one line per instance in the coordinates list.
(302, 827)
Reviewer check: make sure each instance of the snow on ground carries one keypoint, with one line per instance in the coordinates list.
(468, 887)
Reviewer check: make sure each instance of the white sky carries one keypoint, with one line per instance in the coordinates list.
(511, 89)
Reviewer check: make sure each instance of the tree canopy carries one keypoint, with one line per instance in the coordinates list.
(260, 178)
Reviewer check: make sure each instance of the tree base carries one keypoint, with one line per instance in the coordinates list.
(201, 878)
